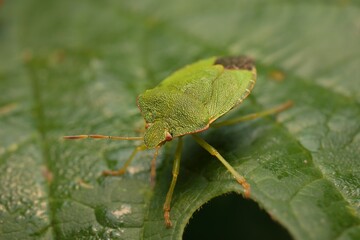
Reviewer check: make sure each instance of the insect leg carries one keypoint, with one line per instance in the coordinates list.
(240, 179)
(252, 116)
(153, 167)
(175, 172)
(127, 163)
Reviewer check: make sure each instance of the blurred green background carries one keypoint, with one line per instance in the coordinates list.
(73, 67)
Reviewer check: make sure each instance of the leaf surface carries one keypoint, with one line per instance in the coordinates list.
(76, 67)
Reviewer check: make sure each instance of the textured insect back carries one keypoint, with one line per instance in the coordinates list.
(179, 113)
(231, 86)
(244, 69)
(187, 75)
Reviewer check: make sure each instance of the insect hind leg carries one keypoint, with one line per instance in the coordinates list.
(252, 116)
(240, 179)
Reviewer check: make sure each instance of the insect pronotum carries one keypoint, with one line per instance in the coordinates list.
(188, 102)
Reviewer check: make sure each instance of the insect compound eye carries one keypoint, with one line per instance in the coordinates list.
(168, 136)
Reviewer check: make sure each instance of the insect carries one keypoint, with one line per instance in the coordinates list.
(188, 102)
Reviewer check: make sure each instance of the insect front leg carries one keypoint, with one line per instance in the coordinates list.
(127, 163)
(240, 179)
(153, 167)
(175, 172)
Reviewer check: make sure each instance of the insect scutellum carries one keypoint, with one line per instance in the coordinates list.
(188, 102)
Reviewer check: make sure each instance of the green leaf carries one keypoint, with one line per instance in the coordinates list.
(72, 67)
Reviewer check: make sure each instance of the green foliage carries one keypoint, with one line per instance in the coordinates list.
(71, 67)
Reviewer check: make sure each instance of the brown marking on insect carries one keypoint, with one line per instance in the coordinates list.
(239, 62)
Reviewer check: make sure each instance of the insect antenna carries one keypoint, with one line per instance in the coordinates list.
(96, 136)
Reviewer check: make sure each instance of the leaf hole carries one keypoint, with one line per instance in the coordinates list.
(231, 216)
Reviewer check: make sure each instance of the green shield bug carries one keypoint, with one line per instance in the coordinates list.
(188, 102)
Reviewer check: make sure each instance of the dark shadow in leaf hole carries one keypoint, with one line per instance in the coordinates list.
(233, 217)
